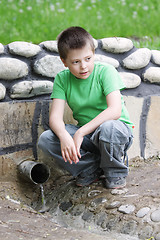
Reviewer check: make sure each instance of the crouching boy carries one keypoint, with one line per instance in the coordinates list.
(99, 142)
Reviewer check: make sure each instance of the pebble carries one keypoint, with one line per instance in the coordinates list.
(158, 236)
(87, 216)
(126, 208)
(112, 205)
(64, 206)
(119, 191)
(129, 227)
(142, 212)
(94, 193)
(155, 216)
(96, 202)
(77, 210)
(146, 233)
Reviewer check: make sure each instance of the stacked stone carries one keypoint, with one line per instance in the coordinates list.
(28, 70)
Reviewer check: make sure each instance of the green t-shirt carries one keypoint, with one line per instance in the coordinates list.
(87, 97)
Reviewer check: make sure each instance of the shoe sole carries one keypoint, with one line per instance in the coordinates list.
(119, 187)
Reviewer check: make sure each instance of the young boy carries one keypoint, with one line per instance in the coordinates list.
(103, 133)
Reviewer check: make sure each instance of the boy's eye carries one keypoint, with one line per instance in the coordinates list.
(88, 58)
(75, 62)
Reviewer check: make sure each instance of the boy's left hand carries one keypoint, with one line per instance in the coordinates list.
(78, 139)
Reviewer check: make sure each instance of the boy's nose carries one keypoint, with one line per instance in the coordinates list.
(83, 65)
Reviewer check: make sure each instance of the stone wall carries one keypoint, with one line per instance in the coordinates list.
(27, 74)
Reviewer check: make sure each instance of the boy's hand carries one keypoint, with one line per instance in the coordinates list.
(68, 149)
(78, 139)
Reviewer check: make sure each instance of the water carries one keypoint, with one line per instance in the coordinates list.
(44, 208)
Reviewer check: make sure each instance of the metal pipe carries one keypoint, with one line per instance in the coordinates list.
(37, 172)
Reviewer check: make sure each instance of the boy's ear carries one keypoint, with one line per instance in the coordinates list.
(64, 62)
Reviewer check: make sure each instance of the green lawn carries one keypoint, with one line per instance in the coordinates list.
(40, 20)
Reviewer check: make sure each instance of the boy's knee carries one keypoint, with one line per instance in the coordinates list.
(43, 139)
(107, 126)
(106, 130)
(114, 131)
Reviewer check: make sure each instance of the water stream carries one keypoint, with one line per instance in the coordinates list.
(44, 208)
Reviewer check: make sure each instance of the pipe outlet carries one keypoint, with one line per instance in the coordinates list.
(37, 172)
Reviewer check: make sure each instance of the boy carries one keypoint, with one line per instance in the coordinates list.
(103, 133)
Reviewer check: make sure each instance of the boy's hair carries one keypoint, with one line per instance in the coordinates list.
(73, 38)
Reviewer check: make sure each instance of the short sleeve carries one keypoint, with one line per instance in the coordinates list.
(111, 80)
(58, 87)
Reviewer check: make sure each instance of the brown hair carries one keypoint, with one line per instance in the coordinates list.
(73, 38)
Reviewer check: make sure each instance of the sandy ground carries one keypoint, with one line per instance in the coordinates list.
(19, 221)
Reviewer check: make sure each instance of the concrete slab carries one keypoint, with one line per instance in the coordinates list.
(153, 128)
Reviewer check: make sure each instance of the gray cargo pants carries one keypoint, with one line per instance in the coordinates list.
(105, 148)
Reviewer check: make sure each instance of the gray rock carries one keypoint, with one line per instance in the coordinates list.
(142, 212)
(87, 216)
(158, 236)
(113, 205)
(119, 191)
(65, 206)
(105, 59)
(24, 49)
(130, 80)
(101, 218)
(146, 233)
(152, 75)
(95, 43)
(155, 57)
(1, 48)
(11, 68)
(49, 66)
(138, 59)
(50, 45)
(129, 227)
(96, 203)
(77, 210)
(155, 216)
(110, 224)
(2, 91)
(126, 208)
(117, 44)
(27, 89)
(94, 193)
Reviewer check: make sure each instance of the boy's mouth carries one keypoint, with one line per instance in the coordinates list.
(83, 73)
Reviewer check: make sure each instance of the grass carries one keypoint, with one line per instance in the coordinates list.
(40, 20)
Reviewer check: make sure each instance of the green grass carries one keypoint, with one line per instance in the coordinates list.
(40, 20)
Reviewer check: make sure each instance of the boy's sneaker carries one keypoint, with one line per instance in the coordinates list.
(115, 182)
(83, 181)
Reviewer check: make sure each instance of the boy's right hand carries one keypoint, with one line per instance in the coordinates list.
(68, 149)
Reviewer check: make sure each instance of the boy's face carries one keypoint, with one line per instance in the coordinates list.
(80, 61)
